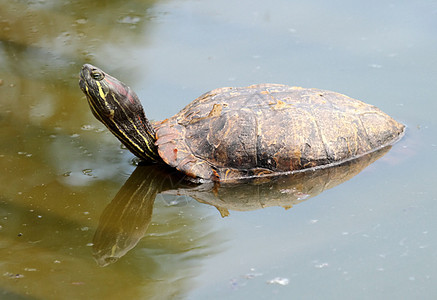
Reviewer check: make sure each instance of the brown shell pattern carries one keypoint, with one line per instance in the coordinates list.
(232, 133)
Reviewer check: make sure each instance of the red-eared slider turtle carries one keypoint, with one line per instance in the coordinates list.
(242, 132)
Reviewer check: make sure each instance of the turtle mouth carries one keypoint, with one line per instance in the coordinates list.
(82, 84)
(84, 76)
(93, 91)
(85, 71)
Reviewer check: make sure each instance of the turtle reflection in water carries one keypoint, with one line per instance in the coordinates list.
(125, 220)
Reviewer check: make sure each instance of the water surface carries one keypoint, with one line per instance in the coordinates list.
(371, 236)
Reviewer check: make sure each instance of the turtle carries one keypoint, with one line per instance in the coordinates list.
(234, 133)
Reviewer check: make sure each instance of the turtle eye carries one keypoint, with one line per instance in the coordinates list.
(97, 75)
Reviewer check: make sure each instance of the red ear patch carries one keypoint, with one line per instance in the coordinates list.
(121, 89)
(130, 98)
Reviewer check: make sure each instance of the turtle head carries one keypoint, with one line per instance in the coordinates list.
(114, 104)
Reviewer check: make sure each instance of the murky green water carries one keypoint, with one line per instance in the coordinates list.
(66, 214)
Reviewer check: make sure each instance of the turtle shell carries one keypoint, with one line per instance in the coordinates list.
(270, 129)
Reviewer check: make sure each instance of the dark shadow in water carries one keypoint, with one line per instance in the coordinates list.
(125, 220)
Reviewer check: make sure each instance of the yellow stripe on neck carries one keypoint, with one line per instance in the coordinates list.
(101, 93)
